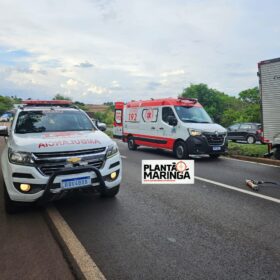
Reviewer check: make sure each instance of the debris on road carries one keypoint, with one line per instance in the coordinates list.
(254, 185)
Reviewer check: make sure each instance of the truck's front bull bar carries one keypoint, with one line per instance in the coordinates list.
(68, 171)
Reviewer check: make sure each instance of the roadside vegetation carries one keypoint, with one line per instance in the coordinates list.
(244, 149)
(225, 109)
(7, 103)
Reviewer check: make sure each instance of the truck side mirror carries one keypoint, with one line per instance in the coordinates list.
(172, 120)
(4, 131)
(102, 126)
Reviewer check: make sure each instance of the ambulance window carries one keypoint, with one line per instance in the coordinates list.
(118, 116)
(166, 112)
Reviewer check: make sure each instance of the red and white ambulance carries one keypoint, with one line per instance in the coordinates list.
(180, 125)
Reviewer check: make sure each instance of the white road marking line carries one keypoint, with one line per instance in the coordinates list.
(247, 161)
(238, 189)
(83, 264)
(123, 156)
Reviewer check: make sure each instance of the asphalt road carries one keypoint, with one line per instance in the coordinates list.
(27, 248)
(200, 231)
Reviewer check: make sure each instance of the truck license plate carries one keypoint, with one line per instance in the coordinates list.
(216, 148)
(76, 182)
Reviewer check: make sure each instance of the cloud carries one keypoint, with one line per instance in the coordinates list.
(84, 65)
(96, 89)
(173, 73)
(129, 49)
(153, 85)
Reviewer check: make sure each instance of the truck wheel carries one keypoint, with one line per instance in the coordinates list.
(11, 207)
(277, 153)
(110, 192)
(180, 150)
(251, 139)
(131, 144)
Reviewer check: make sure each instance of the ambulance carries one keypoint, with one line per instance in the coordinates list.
(53, 148)
(180, 125)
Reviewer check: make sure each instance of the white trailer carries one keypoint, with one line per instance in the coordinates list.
(269, 81)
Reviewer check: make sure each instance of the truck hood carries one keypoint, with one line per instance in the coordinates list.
(59, 141)
(206, 127)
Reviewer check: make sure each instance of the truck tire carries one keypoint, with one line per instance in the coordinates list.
(11, 207)
(131, 144)
(251, 139)
(110, 192)
(180, 150)
(277, 153)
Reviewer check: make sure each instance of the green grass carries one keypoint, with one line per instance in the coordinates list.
(252, 150)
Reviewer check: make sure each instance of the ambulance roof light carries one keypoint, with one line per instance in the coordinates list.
(194, 100)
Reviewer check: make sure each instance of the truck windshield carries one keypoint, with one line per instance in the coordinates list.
(192, 114)
(51, 121)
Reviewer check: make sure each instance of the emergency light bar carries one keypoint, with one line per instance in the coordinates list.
(46, 102)
(194, 100)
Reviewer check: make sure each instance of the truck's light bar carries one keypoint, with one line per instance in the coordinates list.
(47, 102)
(194, 100)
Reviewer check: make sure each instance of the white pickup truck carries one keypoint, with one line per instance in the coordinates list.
(53, 148)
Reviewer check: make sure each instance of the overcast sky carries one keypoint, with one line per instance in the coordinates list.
(106, 50)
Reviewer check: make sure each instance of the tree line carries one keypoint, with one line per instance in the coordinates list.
(223, 108)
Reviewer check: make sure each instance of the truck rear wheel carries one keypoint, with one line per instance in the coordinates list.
(277, 153)
(180, 150)
(131, 144)
(110, 192)
(11, 207)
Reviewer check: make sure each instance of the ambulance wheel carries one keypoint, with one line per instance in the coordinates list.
(11, 207)
(131, 144)
(180, 150)
(214, 156)
(110, 192)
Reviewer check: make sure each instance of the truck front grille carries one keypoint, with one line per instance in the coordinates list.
(214, 139)
(47, 170)
(47, 163)
(70, 153)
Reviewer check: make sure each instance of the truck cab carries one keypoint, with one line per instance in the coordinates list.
(53, 148)
(180, 125)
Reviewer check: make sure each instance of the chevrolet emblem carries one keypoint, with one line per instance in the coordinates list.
(73, 160)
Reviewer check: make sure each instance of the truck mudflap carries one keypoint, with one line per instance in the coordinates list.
(48, 195)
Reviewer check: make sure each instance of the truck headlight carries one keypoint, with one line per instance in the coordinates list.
(112, 150)
(194, 132)
(23, 158)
